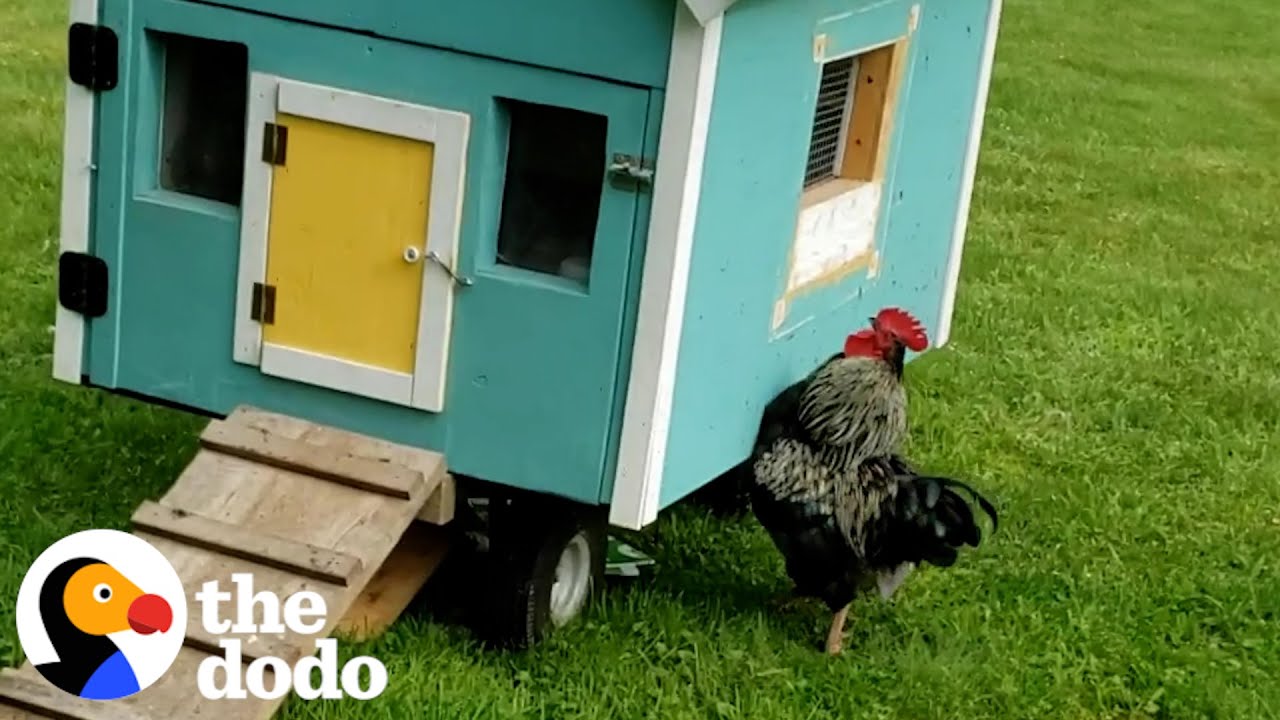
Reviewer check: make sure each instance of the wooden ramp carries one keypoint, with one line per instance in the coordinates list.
(302, 507)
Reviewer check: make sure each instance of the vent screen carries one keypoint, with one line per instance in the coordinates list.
(830, 119)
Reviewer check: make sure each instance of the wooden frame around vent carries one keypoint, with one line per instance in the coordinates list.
(864, 146)
(858, 176)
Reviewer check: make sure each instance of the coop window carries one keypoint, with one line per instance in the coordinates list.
(852, 108)
(555, 168)
(203, 117)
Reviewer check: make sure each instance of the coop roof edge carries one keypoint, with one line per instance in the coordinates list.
(707, 10)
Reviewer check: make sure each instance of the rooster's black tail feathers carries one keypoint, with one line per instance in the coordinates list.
(939, 518)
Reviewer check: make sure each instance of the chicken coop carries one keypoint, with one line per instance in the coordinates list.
(572, 247)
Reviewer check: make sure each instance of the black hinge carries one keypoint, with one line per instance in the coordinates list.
(264, 303)
(82, 284)
(275, 143)
(93, 56)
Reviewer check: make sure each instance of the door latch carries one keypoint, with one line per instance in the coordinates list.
(632, 168)
(459, 279)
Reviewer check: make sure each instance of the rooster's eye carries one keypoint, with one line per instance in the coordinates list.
(102, 592)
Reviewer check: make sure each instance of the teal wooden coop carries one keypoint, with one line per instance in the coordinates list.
(574, 246)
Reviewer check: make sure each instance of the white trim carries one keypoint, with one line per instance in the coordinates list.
(255, 211)
(336, 373)
(367, 112)
(646, 421)
(448, 131)
(970, 172)
(77, 190)
(704, 11)
(444, 229)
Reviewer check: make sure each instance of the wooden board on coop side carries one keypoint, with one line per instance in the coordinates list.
(300, 506)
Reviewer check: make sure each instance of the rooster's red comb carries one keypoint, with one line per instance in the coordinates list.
(902, 324)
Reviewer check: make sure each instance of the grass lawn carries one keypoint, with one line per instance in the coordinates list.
(1112, 382)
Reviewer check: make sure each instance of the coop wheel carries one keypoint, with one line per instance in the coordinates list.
(542, 576)
(571, 580)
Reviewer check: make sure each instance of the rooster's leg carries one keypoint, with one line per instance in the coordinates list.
(835, 636)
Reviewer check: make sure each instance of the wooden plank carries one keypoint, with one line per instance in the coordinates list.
(871, 90)
(441, 504)
(42, 699)
(397, 582)
(175, 696)
(325, 463)
(237, 541)
(431, 464)
(897, 71)
(296, 507)
(197, 638)
(196, 566)
(280, 502)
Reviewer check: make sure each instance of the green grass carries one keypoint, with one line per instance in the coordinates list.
(1112, 381)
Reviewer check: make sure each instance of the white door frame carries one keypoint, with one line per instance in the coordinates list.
(448, 132)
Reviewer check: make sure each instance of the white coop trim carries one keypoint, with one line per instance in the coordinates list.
(704, 11)
(77, 189)
(646, 420)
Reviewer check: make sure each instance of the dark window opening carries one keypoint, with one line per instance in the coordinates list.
(554, 180)
(202, 127)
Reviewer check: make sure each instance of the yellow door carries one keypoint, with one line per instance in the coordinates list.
(344, 207)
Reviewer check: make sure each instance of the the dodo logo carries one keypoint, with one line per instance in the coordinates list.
(101, 614)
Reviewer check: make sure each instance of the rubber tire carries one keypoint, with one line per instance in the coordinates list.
(525, 548)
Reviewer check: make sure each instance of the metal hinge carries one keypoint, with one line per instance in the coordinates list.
(263, 308)
(275, 143)
(93, 56)
(630, 167)
(82, 284)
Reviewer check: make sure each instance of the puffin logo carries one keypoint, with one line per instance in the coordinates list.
(101, 614)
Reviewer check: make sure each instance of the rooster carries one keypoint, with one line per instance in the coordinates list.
(828, 483)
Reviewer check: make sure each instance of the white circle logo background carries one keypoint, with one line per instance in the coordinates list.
(149, 655)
